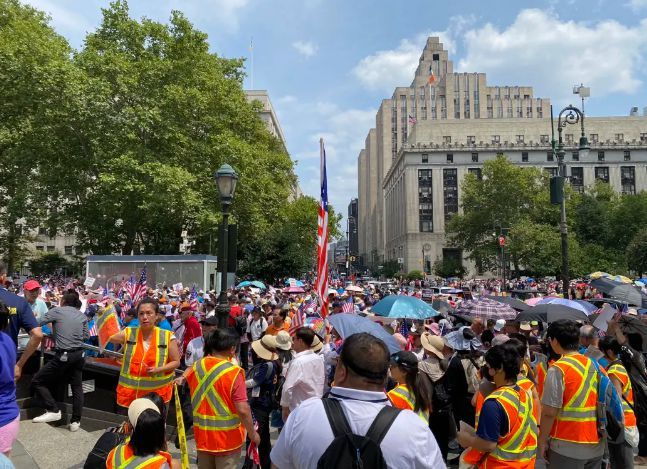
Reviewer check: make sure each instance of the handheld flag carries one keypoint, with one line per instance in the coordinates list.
(181, 432)
(322, 236)
(107, 325)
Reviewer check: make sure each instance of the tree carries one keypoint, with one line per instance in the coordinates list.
(637, 253)
(49, 263)
(389, 269)
(449, 267)
(290, 245)
(415, 275)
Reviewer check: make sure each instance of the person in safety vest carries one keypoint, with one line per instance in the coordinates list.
(506, 434)
(150, 357)
(221, 414)
(569, 430)
(621, 454)
(414, 388)
(146, 447)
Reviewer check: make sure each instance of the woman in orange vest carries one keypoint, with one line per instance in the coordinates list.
(221, 413)
(506, 434)
(621, 454)
(414, 388)
(146, 447)
(150, 357)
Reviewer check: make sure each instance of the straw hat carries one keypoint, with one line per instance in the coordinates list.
(432, 343)
(265, 347)
(283, 340)
(317, 344)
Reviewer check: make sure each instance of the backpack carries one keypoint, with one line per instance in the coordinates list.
(352, 451)
(278, 390)
(240, 324)
(610, 416)
(638, 377)
(441, 399)
(99, 454)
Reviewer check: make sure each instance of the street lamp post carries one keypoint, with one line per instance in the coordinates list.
(569, 115)
(226, 179)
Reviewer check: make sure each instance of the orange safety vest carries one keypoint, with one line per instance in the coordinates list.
(402, 398)
(541, 369)
(134, 380)
(619, 371)
(123, 457)
(216, 425)
(577, 419)
(527, 385)
(518, 448)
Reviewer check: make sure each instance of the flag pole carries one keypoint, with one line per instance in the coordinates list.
(251, 53)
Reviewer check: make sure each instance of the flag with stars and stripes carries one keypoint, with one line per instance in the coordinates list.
(348, 306)
(322, 236)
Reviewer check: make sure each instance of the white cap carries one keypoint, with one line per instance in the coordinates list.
(310, 311)
(500, 324)
(138, 406)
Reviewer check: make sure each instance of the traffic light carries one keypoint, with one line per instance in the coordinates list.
(556, 190)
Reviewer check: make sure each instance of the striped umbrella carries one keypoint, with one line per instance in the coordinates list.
(598, 274)
(621, 279)
(486, 309)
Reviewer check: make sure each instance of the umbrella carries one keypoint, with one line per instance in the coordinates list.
(354, 288)
(402, 306)
(622, 291)
(633, 325)
(259, 284)
(485, 308)
(580, 305)
(598, 274)
(297, 283)
(621, 279)
(316, 324)
(508, 300)
(551, 313)
(293, 290)
(530, 280)
(349, 324)
(244, 284)
(440, 305)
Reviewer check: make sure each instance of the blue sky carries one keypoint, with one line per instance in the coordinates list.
(327, 64)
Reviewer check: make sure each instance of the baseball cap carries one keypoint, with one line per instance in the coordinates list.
(138, 406)
(405, 359)
(499, 324)
(31, 285)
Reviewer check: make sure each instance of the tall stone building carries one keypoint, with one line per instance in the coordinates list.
(429, 135)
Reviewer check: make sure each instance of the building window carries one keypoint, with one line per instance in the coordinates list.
(577, 179)
(544, 139)
(425, 201)
(627, 155)
(550, 156)
(602, 174)
(69, 250)
(628, 179)
(475, 157)
(450, 189)
(540, 112)
(552, 172)
(600, 156)
(447, 139)
(593, 138)
(575, 156)
(471, 139)
(477, 172)
(40, 248)
(520, 138)
(643, 137)
(569, 138)
(51, 248)
(619, 137)
(524, 156)
(529, 111)
(450, 157)
(425, 158)
(496, 138)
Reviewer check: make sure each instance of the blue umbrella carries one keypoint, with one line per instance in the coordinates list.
(259, 284)
(348, 324)
(403, 306)
(243, 284)
(584, 306)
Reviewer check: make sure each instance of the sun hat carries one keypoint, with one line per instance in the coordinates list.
(317, 344)
(499, 325)
(432, 343)
(265, 347)
(138, 406)
(283, 340)
(461, 340)
(525, 326)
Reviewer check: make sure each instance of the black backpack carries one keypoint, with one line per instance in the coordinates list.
(352, 451)
(240, 324)
(99, 454)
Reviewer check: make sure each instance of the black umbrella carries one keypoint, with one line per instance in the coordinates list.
(624, 292)
(633, 325)
(551, 313)
(514, 303)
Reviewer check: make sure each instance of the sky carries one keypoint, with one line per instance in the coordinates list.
(327, 64)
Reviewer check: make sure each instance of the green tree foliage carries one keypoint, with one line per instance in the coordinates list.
(50, 263)
(290, 245)
(449, 267)
(415, 275)
(389, 269)
(637, 252)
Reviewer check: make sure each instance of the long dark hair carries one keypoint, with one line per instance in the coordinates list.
(420, 384)
(4, 316)
(149, 436)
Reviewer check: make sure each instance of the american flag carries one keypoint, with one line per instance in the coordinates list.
(193, 299)
(322, 237)
(311, 304)
(412, 120)
(136, 290)
(297, 321)
(348, 306)
(93, 329)
(404, 330)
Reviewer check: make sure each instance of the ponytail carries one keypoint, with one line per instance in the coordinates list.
(422, 388)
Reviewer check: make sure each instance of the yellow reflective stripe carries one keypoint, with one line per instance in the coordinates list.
(162, 347)
(512, 449)
(404, 393)
(148, 382)
(206, 380)
(587, 382)
(208, 422)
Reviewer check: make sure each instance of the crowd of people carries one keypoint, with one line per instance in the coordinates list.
(498, 393)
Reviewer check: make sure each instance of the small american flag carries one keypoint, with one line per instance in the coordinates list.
(348, 306)
(297, 321)
(321, 286)
(312, 304)
(136, 290)
(412, 120)
(193, 299)
(93, 329)
(252, 450)
(404, 330)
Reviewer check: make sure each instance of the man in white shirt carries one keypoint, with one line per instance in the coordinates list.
(195, 348)
(306, 375)
(257, 324)
(360, 378)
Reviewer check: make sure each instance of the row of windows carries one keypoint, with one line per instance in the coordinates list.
(545, 139)
(69, 250)
(550, 156)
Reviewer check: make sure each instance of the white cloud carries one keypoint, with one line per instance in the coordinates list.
(540, 50)
(287, 99)
(305, 48)
(637, 4)
(387, 69)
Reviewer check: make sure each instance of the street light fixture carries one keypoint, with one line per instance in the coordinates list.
(226, 179)
(570, 115)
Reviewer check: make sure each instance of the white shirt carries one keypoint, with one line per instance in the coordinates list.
(256, 327)
(194, 351)
(305, 379)
(302, 442)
